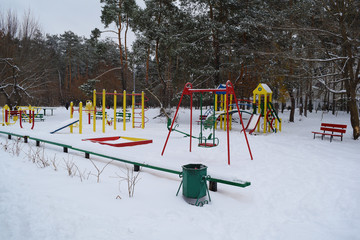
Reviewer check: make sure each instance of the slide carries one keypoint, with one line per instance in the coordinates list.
(253, 122)
(65, 124)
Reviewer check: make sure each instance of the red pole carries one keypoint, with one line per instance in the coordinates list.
(20, 118)
(6, 116)
(33, 119)
(227, 126)
(188, 85)
(242, 123)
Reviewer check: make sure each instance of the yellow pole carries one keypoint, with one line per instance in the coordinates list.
(124, 110)
(103, 111)
(30, 119)
(6, 108)
(265, 110)
(94, 112)
(132, 109)
(71, 115)
(115, 109)
(221, 109)
(80, 117)
(258, 108)
(230, 120)
(142, 110)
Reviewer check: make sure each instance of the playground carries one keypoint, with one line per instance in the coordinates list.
(301, 187)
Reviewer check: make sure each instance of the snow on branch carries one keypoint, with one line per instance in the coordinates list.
(329, 89)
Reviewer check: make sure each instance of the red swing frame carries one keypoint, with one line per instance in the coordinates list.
(188, 90)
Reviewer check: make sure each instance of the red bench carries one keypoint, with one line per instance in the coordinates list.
(332, 130)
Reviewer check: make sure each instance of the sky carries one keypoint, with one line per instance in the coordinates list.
(56, 17)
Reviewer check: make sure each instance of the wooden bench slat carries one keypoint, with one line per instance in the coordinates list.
(333, 125)
(333, 130)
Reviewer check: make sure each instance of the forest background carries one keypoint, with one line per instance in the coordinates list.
(307, 51)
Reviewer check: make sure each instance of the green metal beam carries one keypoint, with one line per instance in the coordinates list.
(237, 183)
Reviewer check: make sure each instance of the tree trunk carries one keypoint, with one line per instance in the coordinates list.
(123, 80)
(292, 110)
(354, 115)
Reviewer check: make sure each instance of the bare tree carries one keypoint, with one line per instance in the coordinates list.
(24, 64)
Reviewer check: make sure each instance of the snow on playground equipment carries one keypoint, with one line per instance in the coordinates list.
(16, 115)
(131, 141)
(137, 110)
(262, 97)
(188, 90)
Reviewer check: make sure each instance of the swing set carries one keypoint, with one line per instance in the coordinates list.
(211, 140)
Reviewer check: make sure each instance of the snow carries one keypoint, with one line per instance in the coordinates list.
(301, 188)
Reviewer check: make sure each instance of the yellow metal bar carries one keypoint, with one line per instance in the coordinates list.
(71, 115)
(80, 117)
(94, 112)
(230, 120)
(134, 139)
(124, 110)
(133, 109)
(103, 111)
(265, 110)
(142, 110)
(221, 109)
(6, 108)
(115, 109)
(30, 119)
(258, 108)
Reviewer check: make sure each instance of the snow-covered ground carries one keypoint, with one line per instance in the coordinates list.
(301, 188)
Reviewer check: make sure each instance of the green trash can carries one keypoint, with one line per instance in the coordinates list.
(194, 183)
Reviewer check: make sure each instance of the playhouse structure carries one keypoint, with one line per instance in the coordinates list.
(262, 99)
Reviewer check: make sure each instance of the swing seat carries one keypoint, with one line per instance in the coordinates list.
(208, 142)
(207, 145)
